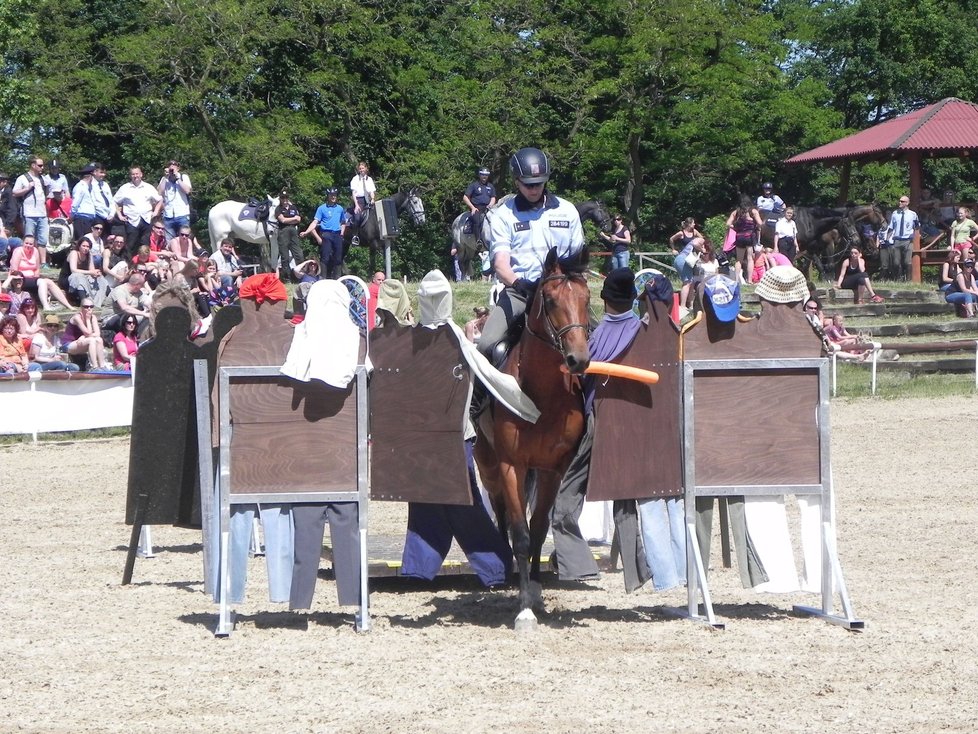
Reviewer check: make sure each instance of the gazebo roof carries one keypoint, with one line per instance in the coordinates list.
(945, 128)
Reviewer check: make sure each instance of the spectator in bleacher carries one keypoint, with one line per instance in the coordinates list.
(104, 200)
(619, 239)
(139, 203)
(852, 276)
(115, 265)
(963, 293)
(9, 214)
(183, 249)
(158, 242)
(125, 344)
(175, 188)
(949, 270)
(58, 203)
(46, 349)
(83, 202)
(963, 230)
(766, 259)
(686, 234)
(473, 327)
(896, 259)
(685, 263)
(29, 189)
(83, 335)
(29, 319)
(746, 223)
(838, 334)
(4, 304)
(14, 286)
(81, 276)
(26, 259)
(228, 263)
(132, 298)
(13, 353)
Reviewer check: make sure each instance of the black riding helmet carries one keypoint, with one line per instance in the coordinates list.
(530, 165)
(332, 191)
(767, 186)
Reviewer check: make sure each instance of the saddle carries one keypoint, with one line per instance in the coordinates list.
(256, 209)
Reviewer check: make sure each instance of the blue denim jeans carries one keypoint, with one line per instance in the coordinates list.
(172, 225)
(37, 226)
(664, 535)
(620, 259)
(958, 297)
(8, 245)
(276, 522)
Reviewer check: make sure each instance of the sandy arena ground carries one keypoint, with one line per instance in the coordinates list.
(83, 654)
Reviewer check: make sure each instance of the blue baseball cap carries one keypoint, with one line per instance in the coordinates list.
(723, 293)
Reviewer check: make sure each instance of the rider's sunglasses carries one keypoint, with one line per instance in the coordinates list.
(531, 185)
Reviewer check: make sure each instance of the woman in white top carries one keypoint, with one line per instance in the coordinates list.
(363, 189)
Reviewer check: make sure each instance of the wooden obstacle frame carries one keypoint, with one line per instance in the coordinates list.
(776, 356)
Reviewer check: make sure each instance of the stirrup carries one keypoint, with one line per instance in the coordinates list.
(355, 240)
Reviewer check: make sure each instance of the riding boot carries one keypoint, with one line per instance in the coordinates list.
(480, 400)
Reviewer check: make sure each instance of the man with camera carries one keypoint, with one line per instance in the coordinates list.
(29, 188)
(175, 189)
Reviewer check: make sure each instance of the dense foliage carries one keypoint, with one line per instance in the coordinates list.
(660, 108)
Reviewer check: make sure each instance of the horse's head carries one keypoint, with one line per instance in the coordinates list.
(597, 213)
(559, 313)
(413, 205)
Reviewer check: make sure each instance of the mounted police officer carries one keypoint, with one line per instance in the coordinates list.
(770, 204)
(479, 197)
(522, 231)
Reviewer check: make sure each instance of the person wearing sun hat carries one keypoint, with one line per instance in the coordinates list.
(783, 284)
(46, 347)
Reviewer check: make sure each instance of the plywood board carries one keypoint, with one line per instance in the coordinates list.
(419, 394)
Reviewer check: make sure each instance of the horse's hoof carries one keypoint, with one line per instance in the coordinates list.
(526, 621)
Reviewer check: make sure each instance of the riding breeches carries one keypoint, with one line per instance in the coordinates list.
(510, 306)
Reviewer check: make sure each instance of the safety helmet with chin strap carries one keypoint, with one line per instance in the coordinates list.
(332, 191)
(530, 165)
(483, 171)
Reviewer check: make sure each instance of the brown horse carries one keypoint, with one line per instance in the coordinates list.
(556, 334)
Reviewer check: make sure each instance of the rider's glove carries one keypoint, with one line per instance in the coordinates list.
(523, 287)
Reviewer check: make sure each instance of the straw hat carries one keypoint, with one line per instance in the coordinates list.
(52, 320)
(783, 284)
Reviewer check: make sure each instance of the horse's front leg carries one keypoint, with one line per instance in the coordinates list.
(512, 482)
(546, 491)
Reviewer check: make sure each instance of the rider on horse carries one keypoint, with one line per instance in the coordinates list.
(478, 197)
(522, 231)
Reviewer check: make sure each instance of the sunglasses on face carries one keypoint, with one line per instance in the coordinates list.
(531, 185)
(88, 305)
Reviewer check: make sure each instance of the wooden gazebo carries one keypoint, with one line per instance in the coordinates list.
(945, 129)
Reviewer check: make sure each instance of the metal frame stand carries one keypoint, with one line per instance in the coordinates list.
(697, 588)
(360, 494)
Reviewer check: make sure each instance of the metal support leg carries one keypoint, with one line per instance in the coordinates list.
(145, 549)
(142, 501)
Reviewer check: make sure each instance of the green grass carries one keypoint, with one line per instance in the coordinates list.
(854, 382)
(100, 434)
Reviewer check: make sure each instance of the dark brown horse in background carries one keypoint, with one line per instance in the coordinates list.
(556, 334)
(825, 234)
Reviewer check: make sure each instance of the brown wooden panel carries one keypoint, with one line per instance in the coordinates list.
(637, 438)
(756, 427)
(284, 400)
(417, 405)
(264, 459)
(288, 436)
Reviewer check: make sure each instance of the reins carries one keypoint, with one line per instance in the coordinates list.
(555, 336)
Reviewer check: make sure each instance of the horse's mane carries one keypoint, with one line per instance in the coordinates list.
(824, 212)
(570, 265)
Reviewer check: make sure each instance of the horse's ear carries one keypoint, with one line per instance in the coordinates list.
(584, 257)
(551, 262)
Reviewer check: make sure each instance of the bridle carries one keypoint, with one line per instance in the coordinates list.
(554, 336)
